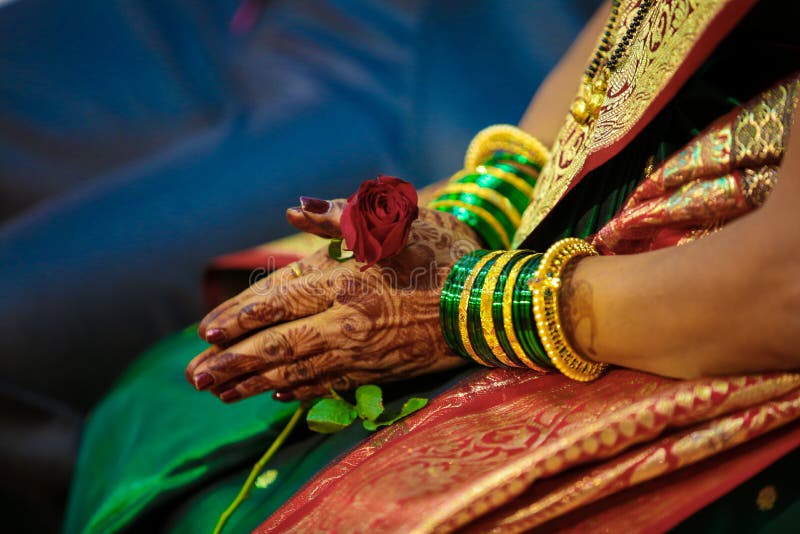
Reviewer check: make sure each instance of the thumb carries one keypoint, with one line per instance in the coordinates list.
(318, 217)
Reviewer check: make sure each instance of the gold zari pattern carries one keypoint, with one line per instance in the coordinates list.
(670, 30)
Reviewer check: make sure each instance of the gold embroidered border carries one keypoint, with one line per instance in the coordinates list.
(663, 42)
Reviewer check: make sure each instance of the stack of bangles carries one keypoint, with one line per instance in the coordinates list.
(494, 188)
(500, 308)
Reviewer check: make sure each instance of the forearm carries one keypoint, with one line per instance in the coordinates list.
(706, 308)
(727, 303)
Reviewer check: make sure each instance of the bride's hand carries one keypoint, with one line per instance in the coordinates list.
(321, 324)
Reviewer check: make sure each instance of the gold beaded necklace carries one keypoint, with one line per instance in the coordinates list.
(595, 79)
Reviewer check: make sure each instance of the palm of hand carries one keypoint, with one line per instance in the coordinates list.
(325, 324)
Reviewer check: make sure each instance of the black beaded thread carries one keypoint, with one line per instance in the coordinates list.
(625, 40)
(605, 42)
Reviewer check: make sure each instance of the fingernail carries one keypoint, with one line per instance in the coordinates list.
(203, 380)
(230, 395)
(315, 205)
(215, 335)
(283, 396)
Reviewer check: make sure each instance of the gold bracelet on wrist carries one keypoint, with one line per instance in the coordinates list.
(545, 286)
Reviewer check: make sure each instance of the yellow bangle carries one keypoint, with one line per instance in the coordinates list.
(508, 177)
(545, 285)
(464, 302)
(487, 298)
(508, 321)
(508, 139)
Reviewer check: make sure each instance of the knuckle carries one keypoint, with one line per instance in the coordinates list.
(301, 371)
(274, 345)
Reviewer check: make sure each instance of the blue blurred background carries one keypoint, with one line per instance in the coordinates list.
(138, 139)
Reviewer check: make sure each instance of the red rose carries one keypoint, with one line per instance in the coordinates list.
(377, 219)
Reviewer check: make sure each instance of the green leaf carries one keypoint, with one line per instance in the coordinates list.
(331, 415)
(337, 251)
(410, 406)
(266, 478)
(369, 402)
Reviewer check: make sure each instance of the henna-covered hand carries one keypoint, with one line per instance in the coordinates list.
(322, 324)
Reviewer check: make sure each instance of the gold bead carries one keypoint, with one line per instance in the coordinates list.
(599, 85)
(595, 102)
(580, 111)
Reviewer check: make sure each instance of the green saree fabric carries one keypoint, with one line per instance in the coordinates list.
(153, 435)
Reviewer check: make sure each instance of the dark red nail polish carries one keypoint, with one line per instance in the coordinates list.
(203, 380)
(315, 205)
(283, 396)
(230, 395)
(215, 335)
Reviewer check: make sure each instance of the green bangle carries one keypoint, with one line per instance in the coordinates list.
(495, 238)
(474, 200)
(524, 324)
(474, 329)
(463, 299)
(451, 297)
(507, 167)
(518, 199)
(497, 310)
(519, 158)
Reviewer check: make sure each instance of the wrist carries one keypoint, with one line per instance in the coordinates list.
(576, 299)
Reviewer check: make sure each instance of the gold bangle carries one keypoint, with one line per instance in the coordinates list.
(487, 299)
(545, 285)
(508, 322)
(479, 212)
(489, 195)
(508, 139)
(463, 303)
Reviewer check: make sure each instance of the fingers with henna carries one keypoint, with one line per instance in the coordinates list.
(283, 344)
(291, 298)
(318, 217)
(295, 388)
(209, 328)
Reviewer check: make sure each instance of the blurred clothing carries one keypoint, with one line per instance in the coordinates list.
(144, 137)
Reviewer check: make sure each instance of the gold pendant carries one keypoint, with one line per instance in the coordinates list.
(589, 103)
